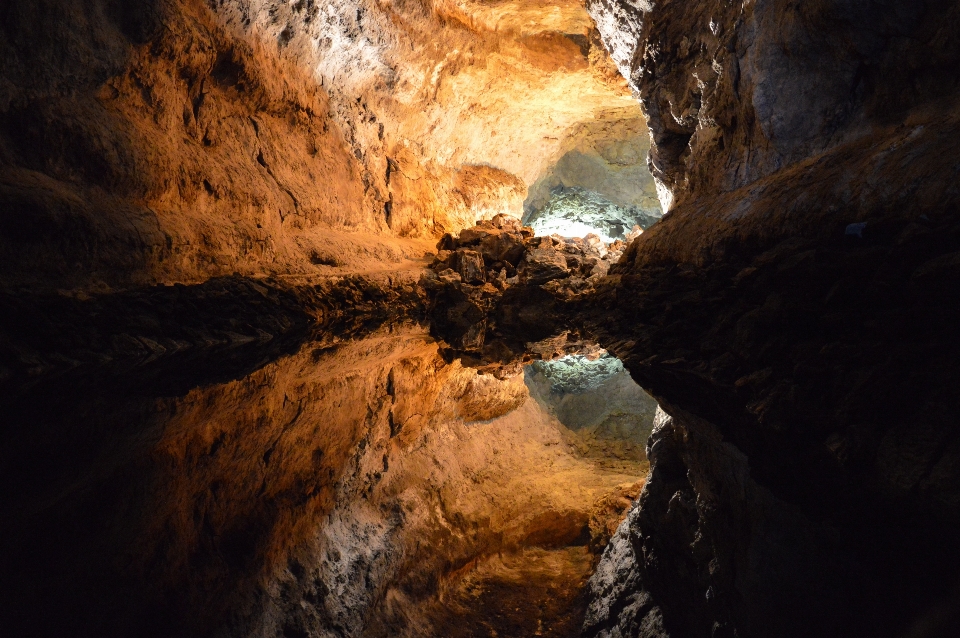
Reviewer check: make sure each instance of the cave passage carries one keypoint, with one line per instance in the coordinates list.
(326, 319)
(603, 186)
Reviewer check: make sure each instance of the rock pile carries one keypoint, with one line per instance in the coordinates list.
(499, 253)
(498, 275)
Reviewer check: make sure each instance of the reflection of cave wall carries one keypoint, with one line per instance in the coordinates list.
(605, 174)
(344, 485)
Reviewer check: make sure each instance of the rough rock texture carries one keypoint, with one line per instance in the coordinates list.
(452, 83)
(736, 91)
(575, 212)
(795, 315)
(609, 160)
(176, 140)
(495, 290)
(145, 142)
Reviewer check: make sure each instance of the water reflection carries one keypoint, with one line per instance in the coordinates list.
(609, 415)
(347, 484)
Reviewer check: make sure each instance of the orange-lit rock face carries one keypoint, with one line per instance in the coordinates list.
(452, 84)
(178, 140)
(145, 145)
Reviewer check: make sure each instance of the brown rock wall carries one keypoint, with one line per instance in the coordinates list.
(783, 315)
(171, 140)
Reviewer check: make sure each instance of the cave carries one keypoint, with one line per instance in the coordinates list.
(474, 319)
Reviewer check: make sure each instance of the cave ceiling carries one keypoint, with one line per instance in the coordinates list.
(506, 84)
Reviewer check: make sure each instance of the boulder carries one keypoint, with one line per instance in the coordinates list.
(505, 247)
(541, 265)
(574, 260)
(506, 222)
(470, 266)
(594, 267)
(475, 235)
(447, 242)
(449, 276)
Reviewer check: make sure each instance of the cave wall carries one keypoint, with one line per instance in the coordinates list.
(144, 142)
(792, 314)
(737, 91)
(176, 140)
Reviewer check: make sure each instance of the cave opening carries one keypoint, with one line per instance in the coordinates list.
(600, 186)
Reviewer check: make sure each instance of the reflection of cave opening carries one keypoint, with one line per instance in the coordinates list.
(591, 421)
(609, 416)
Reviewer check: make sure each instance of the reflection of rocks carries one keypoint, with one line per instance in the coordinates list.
(44, 334)
(496, 288)
(577, 374)
(347, 484)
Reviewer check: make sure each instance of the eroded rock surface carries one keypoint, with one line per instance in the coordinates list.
(737, 91)
(168, 141)
(600, 185)
(793, 314)
(576, 212)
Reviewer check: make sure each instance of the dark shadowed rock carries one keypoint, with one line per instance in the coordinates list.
(540, 265)
(470, 266)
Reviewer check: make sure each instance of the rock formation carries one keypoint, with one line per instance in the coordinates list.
(495, 288)
(793, 315)
(175, 140)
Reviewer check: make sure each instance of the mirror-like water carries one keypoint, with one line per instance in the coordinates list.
(341, 488)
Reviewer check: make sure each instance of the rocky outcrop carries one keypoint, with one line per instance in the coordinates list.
(147, 143)
(737, 91)
(793, 314)
(496, 289)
